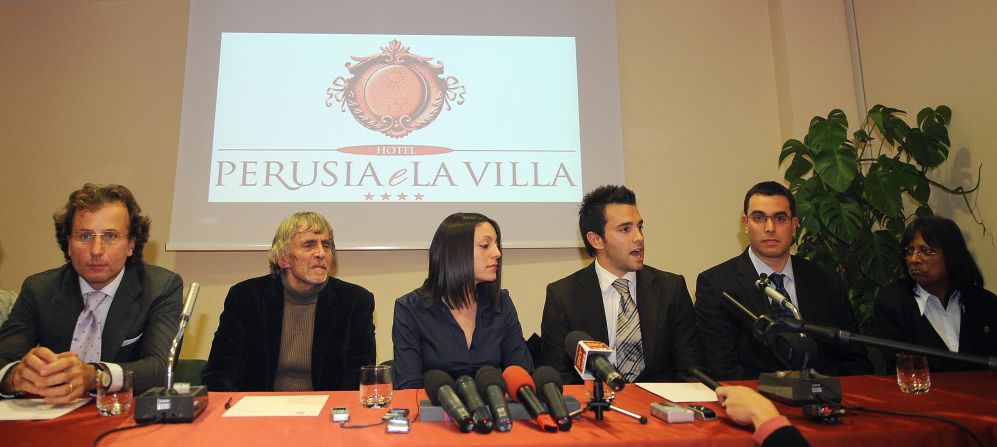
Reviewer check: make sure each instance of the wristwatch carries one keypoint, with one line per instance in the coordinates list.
(103, 375)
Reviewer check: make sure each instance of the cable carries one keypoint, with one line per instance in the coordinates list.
(113, 430)
(953, 422)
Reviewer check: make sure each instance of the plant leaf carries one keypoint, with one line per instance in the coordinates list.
(800, 167)
(882, 190)
(843, 218)
(836, 167)
(877, 253)
(926, 152)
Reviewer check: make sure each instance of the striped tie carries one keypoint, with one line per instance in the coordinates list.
(629, 355)
(86, 337)
(778, 310)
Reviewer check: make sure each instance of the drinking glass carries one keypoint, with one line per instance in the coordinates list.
(113, 403)
(912, 373)
(375, 386)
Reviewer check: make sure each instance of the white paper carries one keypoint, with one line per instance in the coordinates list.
(253, 406)
(36, 409)
(681, 392)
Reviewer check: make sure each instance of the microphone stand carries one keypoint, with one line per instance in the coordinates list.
(844, 337)
(167, 404)
(598, 404)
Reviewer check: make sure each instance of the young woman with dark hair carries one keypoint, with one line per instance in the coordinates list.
(460, 319)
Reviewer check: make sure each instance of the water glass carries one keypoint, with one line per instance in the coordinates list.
(113, 403)
(912, 373)
(375, 386)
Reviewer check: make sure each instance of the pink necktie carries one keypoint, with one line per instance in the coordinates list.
(86, 338)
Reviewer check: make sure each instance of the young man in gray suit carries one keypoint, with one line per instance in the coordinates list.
(644, 314)
(104, 309)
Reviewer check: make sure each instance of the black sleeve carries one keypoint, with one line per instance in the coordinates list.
(787, 436)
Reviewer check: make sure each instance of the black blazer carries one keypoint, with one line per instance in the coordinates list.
(731, 350)
(898, 318)
(246, 347)
(667, 322)
(139, 329)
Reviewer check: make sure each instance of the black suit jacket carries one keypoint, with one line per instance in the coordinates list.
(898, 318)
(731, 350)
(246, 347)
(667, 322)
(138, 331)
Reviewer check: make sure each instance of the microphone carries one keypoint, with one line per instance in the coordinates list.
(592, 360)
(763, 284)
(704, 379)
(548, 380)
(166, 404)
(468, 391)
(522, 389)
(490, 384)
(440, 388)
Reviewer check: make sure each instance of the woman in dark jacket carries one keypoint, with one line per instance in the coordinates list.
(941, 302)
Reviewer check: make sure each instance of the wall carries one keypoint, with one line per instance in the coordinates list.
(91, 91)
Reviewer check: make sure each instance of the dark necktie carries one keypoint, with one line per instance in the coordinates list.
(778, 310)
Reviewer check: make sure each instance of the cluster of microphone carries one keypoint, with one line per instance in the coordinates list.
(479, 403)
(541, 395)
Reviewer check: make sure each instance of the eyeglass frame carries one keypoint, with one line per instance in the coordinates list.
(923, 252)
(785, 218)
(87, 237)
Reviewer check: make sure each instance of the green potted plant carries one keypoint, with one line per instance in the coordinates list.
(855, 195)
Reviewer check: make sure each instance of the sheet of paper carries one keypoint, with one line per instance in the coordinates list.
(252, 406)
(36, 409)
(681, 392)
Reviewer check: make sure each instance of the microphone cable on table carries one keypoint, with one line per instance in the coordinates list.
(157, 420)
(415, 417)
(952, 422)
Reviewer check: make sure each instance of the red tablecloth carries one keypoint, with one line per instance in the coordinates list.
(969, 398)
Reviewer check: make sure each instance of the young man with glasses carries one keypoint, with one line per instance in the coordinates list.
(730, 348)
(105, 309)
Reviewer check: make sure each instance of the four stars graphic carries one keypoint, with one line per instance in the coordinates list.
(398, 197)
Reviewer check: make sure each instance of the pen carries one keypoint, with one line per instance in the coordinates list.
(228, 403)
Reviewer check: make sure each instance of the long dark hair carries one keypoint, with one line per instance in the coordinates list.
(451, 263)
(943, 233)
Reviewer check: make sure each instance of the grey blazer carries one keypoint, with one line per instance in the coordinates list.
(138, 331)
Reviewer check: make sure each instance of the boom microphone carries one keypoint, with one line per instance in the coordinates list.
(523, 390)
(490, 384)
(468, 391)
(765, 285)
(551, 388)
(440, 388)
(592, 358)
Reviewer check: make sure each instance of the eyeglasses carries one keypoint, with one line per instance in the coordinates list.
(760, 218)
(109, 237)
(923, 251)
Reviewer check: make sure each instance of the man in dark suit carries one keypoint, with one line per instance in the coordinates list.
(652, 343)
(103, 310)
(730, 348)
(297, 328)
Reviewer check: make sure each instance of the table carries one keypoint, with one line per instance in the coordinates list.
(969, 397)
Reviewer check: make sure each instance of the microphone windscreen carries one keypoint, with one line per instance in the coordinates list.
(488, 376)
(794, 350)
(544, 375)
(571, 341)
(433, 380)
(515, 378)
